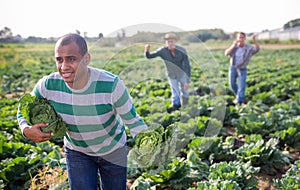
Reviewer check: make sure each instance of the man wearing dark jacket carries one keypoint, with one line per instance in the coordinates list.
(178, 68)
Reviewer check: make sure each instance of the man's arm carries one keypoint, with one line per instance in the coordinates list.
(125, 108)
(149, 55)
(231, 48)
(255, 42)
(33, 132)
(187, 70)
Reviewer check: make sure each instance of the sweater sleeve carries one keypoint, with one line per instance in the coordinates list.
(125, 109)
(21, 120)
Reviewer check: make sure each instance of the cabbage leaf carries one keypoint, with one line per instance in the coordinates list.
(36, 110)
(153, 147)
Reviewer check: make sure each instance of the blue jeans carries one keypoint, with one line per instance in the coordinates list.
(83, 170)
(237, 82)
(177, 88)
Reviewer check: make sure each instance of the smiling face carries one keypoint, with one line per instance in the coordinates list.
(71, 65)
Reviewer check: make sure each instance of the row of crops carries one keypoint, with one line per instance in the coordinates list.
(214, 144)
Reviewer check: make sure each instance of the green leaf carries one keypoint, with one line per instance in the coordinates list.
(36, 111)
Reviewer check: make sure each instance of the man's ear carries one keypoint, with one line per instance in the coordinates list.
(86, 59)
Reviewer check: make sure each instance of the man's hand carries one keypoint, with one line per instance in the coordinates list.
(186, 86)
(235, 43)
(147, 47)
(253, 37)
(255, 42)
(35, 134)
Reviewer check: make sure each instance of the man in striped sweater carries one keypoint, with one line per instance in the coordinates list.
(96, 105)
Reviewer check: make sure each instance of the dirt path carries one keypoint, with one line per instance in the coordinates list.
(280, 46)
(263, 46)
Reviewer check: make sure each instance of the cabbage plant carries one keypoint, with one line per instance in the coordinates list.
(36, 110)
(153, 147)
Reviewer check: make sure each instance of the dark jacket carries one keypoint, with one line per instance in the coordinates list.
(177, 65)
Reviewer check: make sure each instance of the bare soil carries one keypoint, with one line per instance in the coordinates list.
(263, 46)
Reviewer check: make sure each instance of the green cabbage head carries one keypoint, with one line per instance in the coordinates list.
(153, 147)
(36, 110)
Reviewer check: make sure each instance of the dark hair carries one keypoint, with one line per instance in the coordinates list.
(80, 41)
(243, 33)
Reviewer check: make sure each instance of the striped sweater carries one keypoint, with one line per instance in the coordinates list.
(95, 115)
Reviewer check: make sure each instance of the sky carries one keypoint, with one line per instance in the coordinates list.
(54, 18)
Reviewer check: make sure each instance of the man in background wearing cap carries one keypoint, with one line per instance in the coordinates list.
(178, 68)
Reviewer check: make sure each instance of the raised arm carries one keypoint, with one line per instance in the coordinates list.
(231, 48)
(151, 55)
(255, 42)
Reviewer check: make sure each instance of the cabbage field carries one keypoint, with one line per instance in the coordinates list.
(209, 144)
